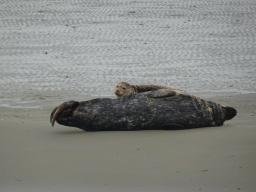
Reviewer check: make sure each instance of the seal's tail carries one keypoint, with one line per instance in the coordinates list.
(230, 113)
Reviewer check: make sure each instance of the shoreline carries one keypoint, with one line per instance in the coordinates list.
(48, 99)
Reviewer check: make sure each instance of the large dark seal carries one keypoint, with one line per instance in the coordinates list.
(124, 89)
(161, 109)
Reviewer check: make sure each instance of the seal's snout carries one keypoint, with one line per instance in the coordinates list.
(118, 93)
(230, 112)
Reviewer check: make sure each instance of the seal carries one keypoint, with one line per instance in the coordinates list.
(161, 109)
(124, 89)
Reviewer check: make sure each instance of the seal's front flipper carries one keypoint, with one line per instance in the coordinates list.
(172, 126)
(63, 111)
(162, 93)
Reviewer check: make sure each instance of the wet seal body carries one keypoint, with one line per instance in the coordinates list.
(124, 89)
(161, 109)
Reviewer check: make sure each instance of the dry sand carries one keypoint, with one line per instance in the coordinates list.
(53, 51)
(37, 157)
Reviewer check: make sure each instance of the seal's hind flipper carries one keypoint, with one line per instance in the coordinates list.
(173, 126)
(162, 93)
(230, 112)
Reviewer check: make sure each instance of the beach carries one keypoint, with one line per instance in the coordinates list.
(54, 51)
(38, 157)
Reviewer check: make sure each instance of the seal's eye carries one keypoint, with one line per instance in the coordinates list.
(116, 86)
(123, 88)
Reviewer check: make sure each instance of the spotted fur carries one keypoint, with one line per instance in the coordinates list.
(161, 109)
(124, 89)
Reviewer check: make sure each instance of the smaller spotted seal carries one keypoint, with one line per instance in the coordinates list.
(124, 89)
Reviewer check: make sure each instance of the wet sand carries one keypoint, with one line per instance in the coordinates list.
(37, 157)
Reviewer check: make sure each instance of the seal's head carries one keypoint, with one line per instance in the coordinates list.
(122, 89)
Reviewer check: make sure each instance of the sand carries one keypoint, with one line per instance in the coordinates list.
(38, 157)
(53, 51)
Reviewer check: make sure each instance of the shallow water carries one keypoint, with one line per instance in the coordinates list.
(56, 49)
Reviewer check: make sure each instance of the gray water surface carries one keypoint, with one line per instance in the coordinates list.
(52, 48)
